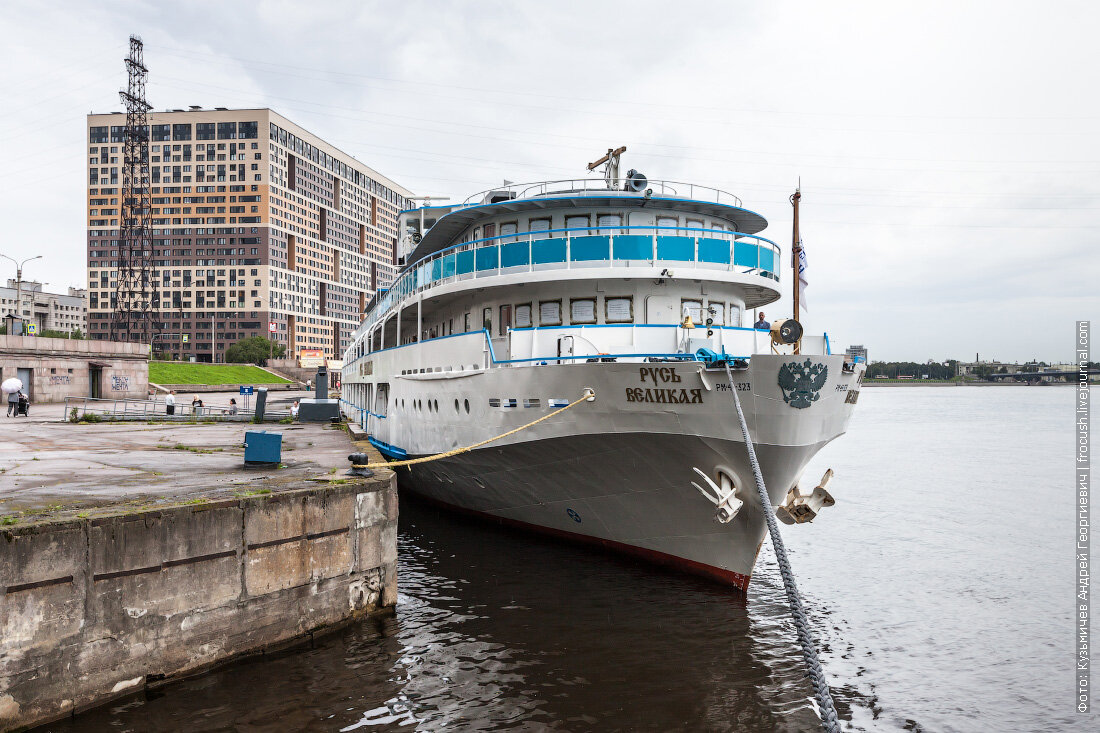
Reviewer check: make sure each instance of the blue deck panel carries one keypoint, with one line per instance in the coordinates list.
(544, 251)
(633, 247)
(745, 254)
(588, 249)
(488, 258)
(514, 254)
(714, 250)
(676, 249)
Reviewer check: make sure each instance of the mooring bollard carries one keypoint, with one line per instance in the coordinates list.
(359, 463)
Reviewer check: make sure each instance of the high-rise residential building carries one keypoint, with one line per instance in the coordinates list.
(856, 351)
(30, 303)
(255, 221)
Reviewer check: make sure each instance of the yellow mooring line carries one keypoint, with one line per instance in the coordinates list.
(588, 396)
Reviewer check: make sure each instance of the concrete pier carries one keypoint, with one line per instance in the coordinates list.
(110, 587)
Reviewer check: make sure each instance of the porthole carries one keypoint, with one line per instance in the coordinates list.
(456, 404)
(466, 404)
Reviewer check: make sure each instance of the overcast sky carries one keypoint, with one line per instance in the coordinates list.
(948, 152)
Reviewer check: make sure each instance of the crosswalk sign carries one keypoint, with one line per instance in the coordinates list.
(32, 329)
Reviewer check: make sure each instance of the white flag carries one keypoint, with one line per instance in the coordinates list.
(802, 282)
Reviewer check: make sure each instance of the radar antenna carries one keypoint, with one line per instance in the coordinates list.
(610, 162)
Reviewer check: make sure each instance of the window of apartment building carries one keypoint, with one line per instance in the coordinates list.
(203, 131)
(97, 135)
(227, 130)
(160, 133)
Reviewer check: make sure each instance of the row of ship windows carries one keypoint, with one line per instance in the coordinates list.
(420, 405)
(578, 221)
(582, 312)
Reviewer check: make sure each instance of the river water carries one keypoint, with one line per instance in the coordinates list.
(940, 585)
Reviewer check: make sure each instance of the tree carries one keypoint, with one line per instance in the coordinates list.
(253, 350)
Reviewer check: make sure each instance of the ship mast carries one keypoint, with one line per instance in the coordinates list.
(611, 170)
(796, 254)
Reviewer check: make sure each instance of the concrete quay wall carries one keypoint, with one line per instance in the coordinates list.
(94, 609)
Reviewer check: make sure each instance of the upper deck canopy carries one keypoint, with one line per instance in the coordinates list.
(577, 194)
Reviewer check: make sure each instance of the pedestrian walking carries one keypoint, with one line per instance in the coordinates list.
(170, 402)
(196, 405)
(13, 403)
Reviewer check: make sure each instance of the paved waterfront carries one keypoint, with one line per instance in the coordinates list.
(50, 465)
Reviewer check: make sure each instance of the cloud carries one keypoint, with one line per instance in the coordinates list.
(946, 153)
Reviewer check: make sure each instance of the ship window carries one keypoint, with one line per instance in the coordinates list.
(577, 222)
(523, 315)
(582, 310)
(618, 310)
(693, 308)
(507, 231)
(694, 223)
(550, 313)
(735, 315)
(609, 220)
(716, 312)
(466, 406)
(487, 319)
(505, 320)
(667, 221)
(490, 230)
(466, 323)
(538, 228)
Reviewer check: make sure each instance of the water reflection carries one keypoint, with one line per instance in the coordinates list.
(501, 631)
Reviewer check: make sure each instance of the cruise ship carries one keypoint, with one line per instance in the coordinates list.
(630, 302)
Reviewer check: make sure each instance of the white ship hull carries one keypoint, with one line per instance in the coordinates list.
(616, 471)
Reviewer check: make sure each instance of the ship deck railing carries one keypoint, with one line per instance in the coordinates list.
(599, 187)
(584, 248)
(542, 346)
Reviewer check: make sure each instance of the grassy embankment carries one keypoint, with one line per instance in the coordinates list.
(179, 372)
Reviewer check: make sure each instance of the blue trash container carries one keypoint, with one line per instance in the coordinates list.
(260, 446)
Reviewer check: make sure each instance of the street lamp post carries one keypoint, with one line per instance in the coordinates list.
(19, 285)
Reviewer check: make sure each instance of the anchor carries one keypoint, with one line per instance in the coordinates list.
(728, 504)
(799, 507)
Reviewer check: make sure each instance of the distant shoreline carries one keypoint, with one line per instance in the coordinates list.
(930, 383)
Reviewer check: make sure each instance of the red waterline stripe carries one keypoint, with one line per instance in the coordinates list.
(725, 577)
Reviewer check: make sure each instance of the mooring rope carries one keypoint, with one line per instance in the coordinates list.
(588, 396)
(824, 697)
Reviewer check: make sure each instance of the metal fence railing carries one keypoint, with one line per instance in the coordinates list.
(76, 408)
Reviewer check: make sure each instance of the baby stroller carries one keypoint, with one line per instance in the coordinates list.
(23, 406)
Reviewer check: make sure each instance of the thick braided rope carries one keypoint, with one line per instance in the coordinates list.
(588, 395)
(824, 697)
